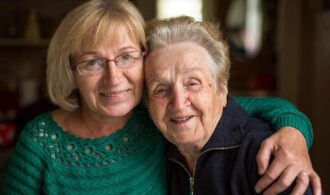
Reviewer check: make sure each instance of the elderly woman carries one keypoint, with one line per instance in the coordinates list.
(101, 139)
(214, 142)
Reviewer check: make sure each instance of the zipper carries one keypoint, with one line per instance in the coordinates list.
(191, 185)
(192, 177)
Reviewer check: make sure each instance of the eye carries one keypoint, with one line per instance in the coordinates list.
(193, 84)
(92, 64)
(160, 91)
(125, 57)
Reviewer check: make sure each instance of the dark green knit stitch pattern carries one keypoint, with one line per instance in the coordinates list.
(73, 151)
(48, 160)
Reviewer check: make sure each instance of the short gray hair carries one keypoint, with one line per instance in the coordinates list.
(181, 29)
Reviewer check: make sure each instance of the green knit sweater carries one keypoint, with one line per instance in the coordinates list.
(49, 160)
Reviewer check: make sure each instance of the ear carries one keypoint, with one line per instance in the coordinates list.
(223, 90)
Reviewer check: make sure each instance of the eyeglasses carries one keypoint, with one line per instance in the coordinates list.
(96, 66)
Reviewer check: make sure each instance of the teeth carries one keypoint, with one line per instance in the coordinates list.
(181, 119)
(114, 94)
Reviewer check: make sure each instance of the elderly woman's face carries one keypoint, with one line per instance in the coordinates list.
(115, 91)
(183, 99)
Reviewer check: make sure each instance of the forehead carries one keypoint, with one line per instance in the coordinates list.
(118, 34)
(180, 58)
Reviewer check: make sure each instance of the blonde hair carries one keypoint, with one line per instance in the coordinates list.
(90, 24)
(161, 33)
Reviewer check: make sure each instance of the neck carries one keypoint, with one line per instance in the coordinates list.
(96, 126)
(86, 125)
(191, 154)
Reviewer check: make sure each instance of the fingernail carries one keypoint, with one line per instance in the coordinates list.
(257, 189)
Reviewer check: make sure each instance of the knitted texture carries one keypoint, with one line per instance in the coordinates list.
(48, 160)
(279, 112)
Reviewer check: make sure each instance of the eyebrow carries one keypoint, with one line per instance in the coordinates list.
(189, 72)
(126, 47)
(194, 69)
(155, 79)
(95, 52)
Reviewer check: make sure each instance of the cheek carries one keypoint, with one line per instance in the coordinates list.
(201, 101)
(87, 87)
(87, 82)
(207, 104)
(135, 74)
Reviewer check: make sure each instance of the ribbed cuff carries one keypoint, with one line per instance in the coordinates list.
(298, 123)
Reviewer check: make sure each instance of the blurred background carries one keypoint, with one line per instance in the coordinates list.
(278, 48)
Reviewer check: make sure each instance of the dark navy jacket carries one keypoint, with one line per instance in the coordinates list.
(227, 163)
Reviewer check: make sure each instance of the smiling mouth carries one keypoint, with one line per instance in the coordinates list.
(114, 93)
(180, 119)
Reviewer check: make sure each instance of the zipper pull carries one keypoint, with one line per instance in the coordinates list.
(191, 182)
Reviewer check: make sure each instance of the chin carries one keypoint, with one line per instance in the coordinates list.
(184, 139)
(120, 110)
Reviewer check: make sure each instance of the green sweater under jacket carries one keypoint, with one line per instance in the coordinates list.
(49, 160)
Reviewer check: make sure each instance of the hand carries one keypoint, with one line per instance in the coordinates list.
(291, 163)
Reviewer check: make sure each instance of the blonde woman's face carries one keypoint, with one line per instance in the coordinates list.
(183, 99)
(116, 91)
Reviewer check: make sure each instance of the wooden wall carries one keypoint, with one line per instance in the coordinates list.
(304, 71)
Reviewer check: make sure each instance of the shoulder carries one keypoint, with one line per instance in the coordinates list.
(40, 130)
(38, 124)
(31, 142)
(141, 118)
(143, 127)
(256, 130)
(245, 168)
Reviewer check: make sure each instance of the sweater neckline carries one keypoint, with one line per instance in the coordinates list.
(73, 152)
(121, 132)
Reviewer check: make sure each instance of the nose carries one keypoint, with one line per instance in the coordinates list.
(179, 99)
(112, 74)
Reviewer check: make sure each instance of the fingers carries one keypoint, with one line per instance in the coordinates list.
(263, 157)
(291, 159)
(272, 173)
(302, 182)
(316, 183)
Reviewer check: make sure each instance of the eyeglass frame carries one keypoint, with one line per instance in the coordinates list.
(106, 61)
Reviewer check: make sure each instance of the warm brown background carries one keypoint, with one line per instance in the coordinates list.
(294, 62)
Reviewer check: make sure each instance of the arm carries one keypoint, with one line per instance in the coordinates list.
(25, 171)
(288, 146)
(278, 112)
